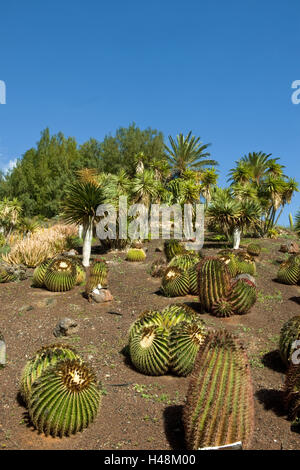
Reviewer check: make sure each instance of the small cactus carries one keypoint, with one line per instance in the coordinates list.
(289, 271)
(6, 276)
(172, 248)
(185, 341)
(60, 275)
(253, 249)
(65, 399)
(135, 255)
(243, 295)
(219, 408)
(99, 272)
(222, 308)
(39, 273)
(245, 264)
(291, 394)
(230, 260)
(289, 333)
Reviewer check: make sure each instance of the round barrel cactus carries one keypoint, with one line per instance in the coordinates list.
(65, 399)
(175, 282)
(289, 271)
(39, 273)
(213, 281)
(45, 357)
(243, 295)
(185, 261)
(185, 341)
(5, 275)
(60, 275)
(172, 248)
(245, 264)
(135, 255)
(99, 273)
(222, 308)
(289, 333)
(229, 259)
(254, 249)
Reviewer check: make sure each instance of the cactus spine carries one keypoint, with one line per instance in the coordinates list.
(289, 333)
(242, 296)
(185, 342)
(175, 282)
(219, 408)
(39, 274)
(213, 282)
(60, 275)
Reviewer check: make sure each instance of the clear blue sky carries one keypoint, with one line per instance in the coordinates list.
(222, 69)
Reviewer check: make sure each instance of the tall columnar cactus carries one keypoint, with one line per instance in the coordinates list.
(289, 271)
(149, 349)
(243, 295)
(39, 273)
(185, 261)
(135, 255)
(291, 394)
(175, 282)
(253, 249)
(185, 341)
(219, 408)
(60, 275)
(172, 248)
(213, 282)
(289, 333)
(65, 399)
(45, 357)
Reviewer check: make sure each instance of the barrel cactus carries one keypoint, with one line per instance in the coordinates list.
(172, 248)
(185, 341)
(45, 357)
(243, 295)
(60, 275)
(289, 271)
(219, 409)
(245, 264)
(193, 280)
(254, 249)
(222, 308)
(65, 399)
(149, 349)
(229, 259)
(135, 254)
(80, 274)
(99, 272)
(6, 275)
(291, 394)
(175, 282)
(213, 281)
(185, 261)
(39, 273)
(289, 333)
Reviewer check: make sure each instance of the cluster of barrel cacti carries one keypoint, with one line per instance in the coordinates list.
(60, 391)
(63, 273)
(219, 409)
(289, 270)
(219, 293)
(167, 340)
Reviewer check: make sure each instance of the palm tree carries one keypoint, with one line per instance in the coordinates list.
(209, 179)
(188, 152)
(145, 188)
(79, 207)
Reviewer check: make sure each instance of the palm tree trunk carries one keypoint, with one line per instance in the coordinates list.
(87, 243)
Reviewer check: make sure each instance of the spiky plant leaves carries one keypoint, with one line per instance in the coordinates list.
(39, 273)
(65, 399)
(185, 341)
(45, 357)
(222, 308)
(60, 275)
(149, 350)
(219, 408)
(243, 295)
(172, 248)
(135, 255)
(185, 261)
(289, 333)
(254, 249)
(175, 282)
(213, 281)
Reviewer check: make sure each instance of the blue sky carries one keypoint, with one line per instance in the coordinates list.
(221, 69)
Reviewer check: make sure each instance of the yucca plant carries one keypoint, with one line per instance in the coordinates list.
(175, 283)
(65, 399)
(289, 333)
(60, 275)
(254, 249)
(214, 281)
(44, 357)
(219, 409)
(39, 273)
(149, 349)
(135, 254)
(185, 341)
